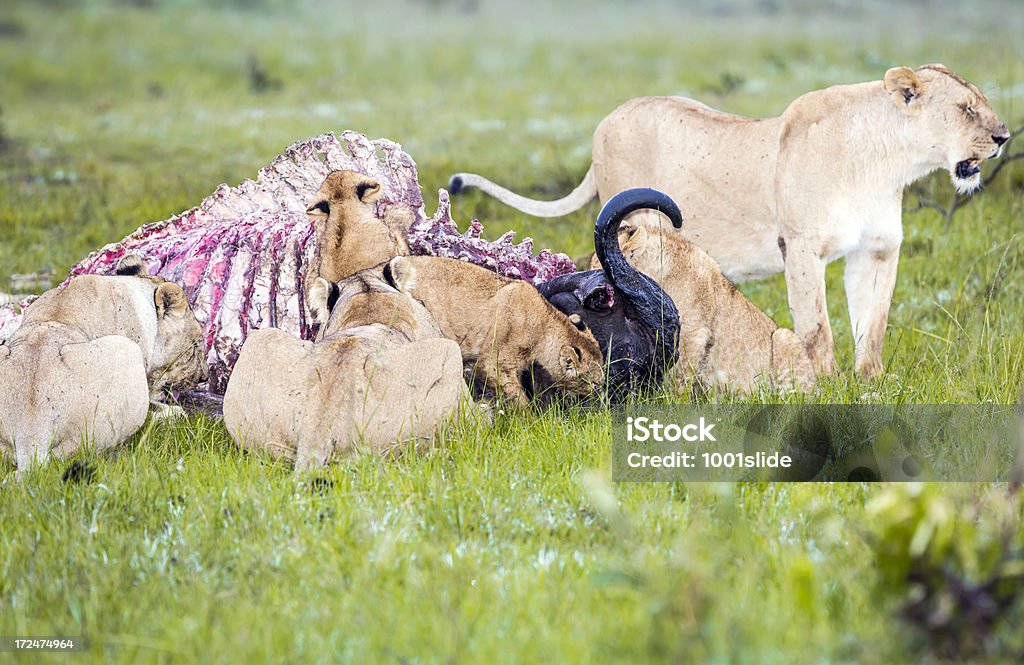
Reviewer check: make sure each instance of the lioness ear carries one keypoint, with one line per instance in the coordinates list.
(903, 85)
(399, 273)
(323, 295)
(169, 299)
(130, 265)
(577, 321)
(368, 190)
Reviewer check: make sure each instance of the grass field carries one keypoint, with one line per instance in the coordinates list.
(505, 543)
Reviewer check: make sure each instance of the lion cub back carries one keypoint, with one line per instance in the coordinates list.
(504, 327)
(724, 338)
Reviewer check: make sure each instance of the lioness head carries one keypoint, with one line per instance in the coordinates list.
(952, 112)
(179, 356)
(349, 236)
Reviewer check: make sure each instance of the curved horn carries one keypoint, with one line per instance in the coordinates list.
(651, 306)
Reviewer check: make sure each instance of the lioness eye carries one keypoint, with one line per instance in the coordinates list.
(970, 111)
(579, 354)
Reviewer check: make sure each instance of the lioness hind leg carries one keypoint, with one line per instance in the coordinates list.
(108, 397)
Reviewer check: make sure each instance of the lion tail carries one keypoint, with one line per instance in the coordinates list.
(578, 198)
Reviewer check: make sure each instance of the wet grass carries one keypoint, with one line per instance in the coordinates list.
(505, 543)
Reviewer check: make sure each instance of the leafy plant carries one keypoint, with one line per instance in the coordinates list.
(957, 567)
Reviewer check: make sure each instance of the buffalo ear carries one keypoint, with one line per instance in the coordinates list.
(904, 86)
(321, 300)
(600, 299)
(131, 265)
(170, 299)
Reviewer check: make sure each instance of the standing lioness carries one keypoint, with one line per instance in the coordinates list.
(821, 181)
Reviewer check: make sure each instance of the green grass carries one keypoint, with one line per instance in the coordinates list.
(504, 543)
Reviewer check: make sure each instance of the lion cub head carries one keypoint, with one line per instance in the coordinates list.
(349, 235)
(580, 362)
(178, 357)
(365, 299)
(649, 250)
(946, 111)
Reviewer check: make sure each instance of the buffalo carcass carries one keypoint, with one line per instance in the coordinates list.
(634, 320)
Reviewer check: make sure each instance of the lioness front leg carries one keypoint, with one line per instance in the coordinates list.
(870, 279)
(805, 284)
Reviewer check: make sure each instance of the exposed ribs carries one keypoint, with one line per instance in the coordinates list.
(241, 255)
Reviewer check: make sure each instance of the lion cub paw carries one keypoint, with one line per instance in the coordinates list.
(161, 411)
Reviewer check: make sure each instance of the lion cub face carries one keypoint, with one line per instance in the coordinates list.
(947, 108)
(180, 359)
(179, 354)
(349, 235)
(580, 363)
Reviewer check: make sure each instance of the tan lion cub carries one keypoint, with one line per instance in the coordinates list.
(723, 338)
(507, 331)
(379, 372)
(87, 358)
(349, 236)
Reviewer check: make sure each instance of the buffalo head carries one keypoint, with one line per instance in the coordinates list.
(634, 321)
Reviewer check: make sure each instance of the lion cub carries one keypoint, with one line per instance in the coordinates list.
(724, 338)
(510, 336)
(349, 236)
(87, 358)
(378, 372)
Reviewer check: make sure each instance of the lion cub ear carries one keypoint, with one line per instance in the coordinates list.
(131, 265)
(368, 190)
(399, 273)
(321, 300)
(571, 358)
(631, 235)
(904, 87)
(320, 208)
(170, 299)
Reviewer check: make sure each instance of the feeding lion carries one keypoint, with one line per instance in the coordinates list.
(87, 359)
(725, 341)
(378, 373)
(823, 180)
(514, 343)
